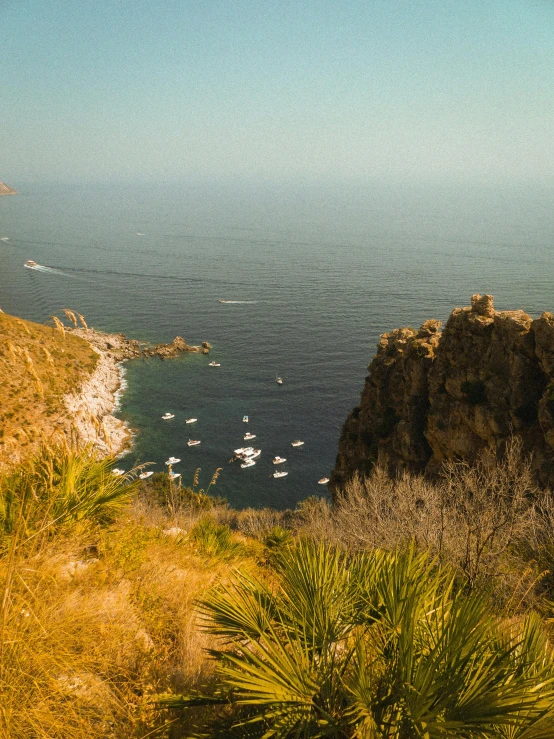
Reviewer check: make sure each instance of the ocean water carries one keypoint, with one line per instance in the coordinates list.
(317, 273)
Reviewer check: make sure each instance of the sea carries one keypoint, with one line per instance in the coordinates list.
(312, 274)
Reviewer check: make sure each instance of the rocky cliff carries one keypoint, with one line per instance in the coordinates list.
(459, 393)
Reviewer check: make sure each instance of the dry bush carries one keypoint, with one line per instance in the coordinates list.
(481, 518)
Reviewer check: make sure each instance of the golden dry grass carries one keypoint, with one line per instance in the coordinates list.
(38, 366)
(100, 621)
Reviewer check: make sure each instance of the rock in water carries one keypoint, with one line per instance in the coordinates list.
(433, 396)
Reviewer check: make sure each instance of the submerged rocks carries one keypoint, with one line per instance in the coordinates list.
(459, 394)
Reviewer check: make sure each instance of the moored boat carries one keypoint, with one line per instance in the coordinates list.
(245, 419)
(282, 473)
(193, 442)
(173, 460)
(145, 475)
(117, 472)
(323, 481)
(249, 436)
(247, 463)
(279, 380)
(174, 475)
(214, 364)
(297, 443)
(168, 416)
(279, 460)
(191, 420)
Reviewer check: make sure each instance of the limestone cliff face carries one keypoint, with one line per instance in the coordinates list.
(457, 394)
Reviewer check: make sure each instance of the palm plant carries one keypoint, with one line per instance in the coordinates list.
(376, 645)
(58, 486)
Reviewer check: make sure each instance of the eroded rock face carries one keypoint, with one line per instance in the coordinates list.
(432, 396)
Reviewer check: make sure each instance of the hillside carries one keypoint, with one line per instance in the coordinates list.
(433, 396)
(39, 367)
(7, 190)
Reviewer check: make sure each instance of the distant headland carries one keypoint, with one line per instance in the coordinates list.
(6, 189)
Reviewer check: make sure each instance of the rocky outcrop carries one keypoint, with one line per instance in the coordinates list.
(433, 396)
(6, 190)
(121, 348)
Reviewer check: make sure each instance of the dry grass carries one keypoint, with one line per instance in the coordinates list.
(38, 366)
(99, 621)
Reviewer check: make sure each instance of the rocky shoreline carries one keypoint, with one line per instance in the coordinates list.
(91, 409)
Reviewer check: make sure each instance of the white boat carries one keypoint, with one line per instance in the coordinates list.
(4, 238)
(117, 472)
(191, 420)
(193, 442)
(247, 463)
(173, 460)
(139, 233)
(244, 451)
(245, 419)
(253, 455)
(249, 436)
(297, 443)
(214, 364)
(145, 475)
(174, 475)
(280, 474)
(279, 380)
(323, 481)
(168, 416)
(279, 460)
(30, 264)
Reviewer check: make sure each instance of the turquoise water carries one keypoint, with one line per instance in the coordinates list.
(322, 270)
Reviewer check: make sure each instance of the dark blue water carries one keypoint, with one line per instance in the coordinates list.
(328, 269)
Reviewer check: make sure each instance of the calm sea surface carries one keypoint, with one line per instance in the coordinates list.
(321, 273)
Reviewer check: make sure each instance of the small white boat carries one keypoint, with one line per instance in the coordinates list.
(173, 460)
(254, 454)
(323, 481)
(168, 416)
(117, 472)
(4, 238)
(30, 264)
(191, 420)
(247, 463)
(245, 419)
(249, 436)
(174, 475)
(145, 475)
(193, 442)
(279, 380)
(280, 474)
(297, 443)
(279, 460)
(214, 364)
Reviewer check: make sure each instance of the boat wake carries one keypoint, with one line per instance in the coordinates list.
(238, 302)
(47, 270)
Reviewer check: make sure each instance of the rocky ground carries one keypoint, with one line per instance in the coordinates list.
(459, 393)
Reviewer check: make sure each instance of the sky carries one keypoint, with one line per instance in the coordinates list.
(327, 90)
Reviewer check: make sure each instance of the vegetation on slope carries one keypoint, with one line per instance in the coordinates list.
(406, 610)
(38, 366)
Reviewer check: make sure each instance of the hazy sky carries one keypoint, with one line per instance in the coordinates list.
(401, 90)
